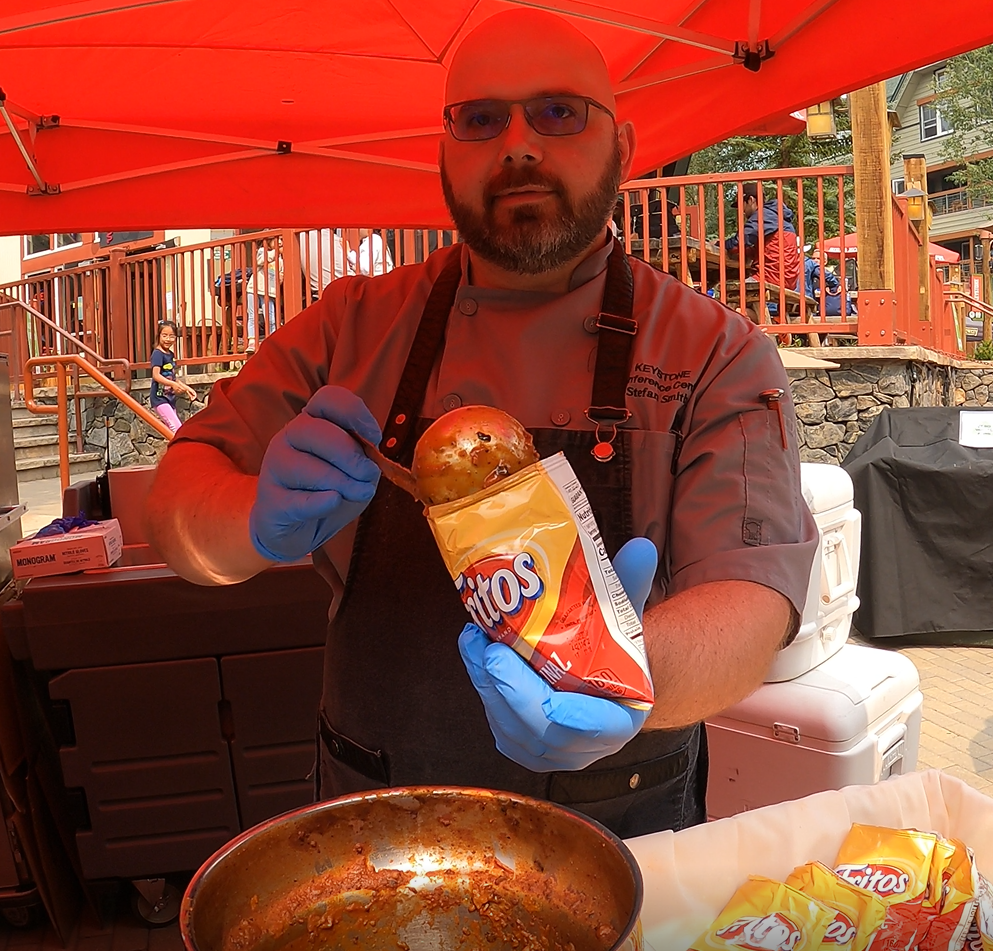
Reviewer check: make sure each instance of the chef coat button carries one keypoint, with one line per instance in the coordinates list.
(560, 417)
(450, 402)
(589, 325)
(635, 781)
(468, 306)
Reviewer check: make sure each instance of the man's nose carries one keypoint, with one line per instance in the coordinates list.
(521, 144)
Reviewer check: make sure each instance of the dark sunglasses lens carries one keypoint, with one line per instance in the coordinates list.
(480, 119)
(559, 115)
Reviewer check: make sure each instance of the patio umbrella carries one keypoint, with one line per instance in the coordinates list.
(940, 254)
(220, 113)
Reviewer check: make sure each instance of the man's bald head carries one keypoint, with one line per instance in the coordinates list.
(523, 53)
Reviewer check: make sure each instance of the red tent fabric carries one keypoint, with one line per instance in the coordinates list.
(221, 113)
(940, 254)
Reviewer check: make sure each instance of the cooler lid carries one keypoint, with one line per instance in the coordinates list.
(825, 487)
(836, 701)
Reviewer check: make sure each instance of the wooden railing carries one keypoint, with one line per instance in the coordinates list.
(60, 408)
(226, 296)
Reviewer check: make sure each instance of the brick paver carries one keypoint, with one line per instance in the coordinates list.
(957, 733)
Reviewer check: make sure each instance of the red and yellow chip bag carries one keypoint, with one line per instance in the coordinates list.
(895, 864)
(858, 913)
(764, 915)
(984, 913)
(527, 559)
(951, 905)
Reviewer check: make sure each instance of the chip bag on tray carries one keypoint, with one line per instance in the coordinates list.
(951, 905)
(980, 937)
(895, 864)
(528, 562)
(764, 915)
(858, 913)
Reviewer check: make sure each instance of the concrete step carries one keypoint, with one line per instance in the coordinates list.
(36, 426)
(37, 447)
(81, 464)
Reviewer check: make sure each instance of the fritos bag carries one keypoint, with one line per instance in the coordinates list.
(984, 912)
(529, 564)
(764, 915)
(858, 913)
(951, 904)
(896, 865)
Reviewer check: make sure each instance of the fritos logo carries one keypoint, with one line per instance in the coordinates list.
(884, 880)
(498, 587)
(773, 932)
(841, 931)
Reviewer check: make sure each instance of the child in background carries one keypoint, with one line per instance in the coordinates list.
(165, 386)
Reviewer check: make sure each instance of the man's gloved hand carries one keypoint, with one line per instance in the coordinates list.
(315, 478)
(544, 729)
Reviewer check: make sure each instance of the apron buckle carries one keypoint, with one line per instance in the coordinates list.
(602, 416)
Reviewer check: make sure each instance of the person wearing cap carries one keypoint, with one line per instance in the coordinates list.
(778, 260)
(538, 311)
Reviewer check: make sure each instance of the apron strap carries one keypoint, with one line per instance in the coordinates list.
(617, 328)
(428, 341)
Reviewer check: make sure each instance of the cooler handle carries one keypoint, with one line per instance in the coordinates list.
(836, 541)
(891, 750)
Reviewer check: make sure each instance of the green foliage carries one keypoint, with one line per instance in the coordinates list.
(965, 100)
(984, 350)
(758, 153)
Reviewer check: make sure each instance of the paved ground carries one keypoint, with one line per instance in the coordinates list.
(957, 734)
(43, 497)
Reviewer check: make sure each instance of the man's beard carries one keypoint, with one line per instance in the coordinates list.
(537, 239)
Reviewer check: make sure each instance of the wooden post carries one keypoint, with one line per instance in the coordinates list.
(118, 316)
(873, 192)
(987, 240)
(915, 176)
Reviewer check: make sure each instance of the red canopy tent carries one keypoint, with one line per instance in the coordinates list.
(940, 254)
(217, 113)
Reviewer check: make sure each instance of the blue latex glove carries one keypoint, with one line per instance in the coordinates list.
(315, 478)
(544, 729)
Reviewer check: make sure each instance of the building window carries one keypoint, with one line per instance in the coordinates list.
(933, 123)
(899, 186)
(42, 243)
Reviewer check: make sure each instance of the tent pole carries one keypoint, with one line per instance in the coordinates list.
(43, 187)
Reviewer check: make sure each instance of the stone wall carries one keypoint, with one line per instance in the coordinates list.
(132, 441)
(835, 406)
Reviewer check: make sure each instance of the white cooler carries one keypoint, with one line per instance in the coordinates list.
(855, 719)
(831, 599)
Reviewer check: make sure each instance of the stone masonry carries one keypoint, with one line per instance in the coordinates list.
(835, 406)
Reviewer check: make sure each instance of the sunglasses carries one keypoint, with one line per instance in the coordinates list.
(477, 120)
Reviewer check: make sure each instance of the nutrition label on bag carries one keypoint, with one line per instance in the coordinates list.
(568, 484)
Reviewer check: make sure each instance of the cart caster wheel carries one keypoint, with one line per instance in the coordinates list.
(159, 911)
(20, 916)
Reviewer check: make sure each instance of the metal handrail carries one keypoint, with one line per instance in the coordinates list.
(124, 363)
(62, 362)
(958, 297)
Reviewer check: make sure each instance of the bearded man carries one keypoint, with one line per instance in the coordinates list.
(538, 312)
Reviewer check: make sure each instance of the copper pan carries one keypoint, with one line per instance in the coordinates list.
(418, 869)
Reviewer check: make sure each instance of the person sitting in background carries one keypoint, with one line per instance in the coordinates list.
(779, 239)
(833, 291)
(373, 257)
(165, 387)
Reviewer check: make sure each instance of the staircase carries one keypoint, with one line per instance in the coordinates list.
(36, 448)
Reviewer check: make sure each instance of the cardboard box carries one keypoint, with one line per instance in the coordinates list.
(97, 546)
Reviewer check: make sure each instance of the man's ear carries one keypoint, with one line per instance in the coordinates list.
(626, 143)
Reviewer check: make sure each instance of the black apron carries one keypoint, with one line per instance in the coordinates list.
(398, 707)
